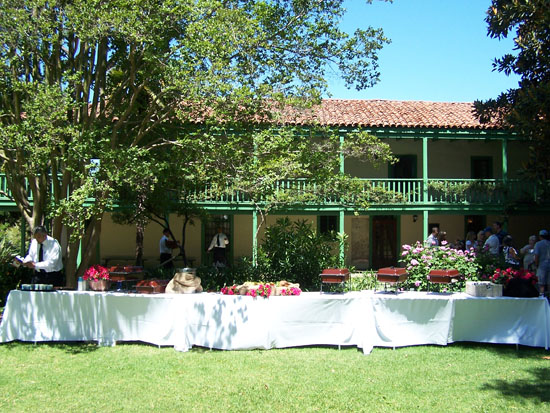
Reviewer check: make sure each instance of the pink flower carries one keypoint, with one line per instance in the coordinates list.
(414, 262)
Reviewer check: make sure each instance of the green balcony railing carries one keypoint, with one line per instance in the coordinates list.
(410, 192)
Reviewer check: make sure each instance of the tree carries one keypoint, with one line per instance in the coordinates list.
(525, 109)
(90, 91)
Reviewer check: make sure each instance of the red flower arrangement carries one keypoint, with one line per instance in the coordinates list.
(96, 273)
(291, 291)
(504, 276)
(263, 290)
(229, 290)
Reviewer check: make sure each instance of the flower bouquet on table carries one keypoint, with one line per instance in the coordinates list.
(250, 288)
(516, 282)
(256, 289)
(97, 277)
(287, 288)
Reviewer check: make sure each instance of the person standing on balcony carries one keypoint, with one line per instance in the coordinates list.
(433, 238)
(542, 261)
(45, 258)
(491, 244)
(219, 243)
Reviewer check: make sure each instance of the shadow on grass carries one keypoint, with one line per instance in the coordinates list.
(504, 350)
(76, 347)
(533, 388)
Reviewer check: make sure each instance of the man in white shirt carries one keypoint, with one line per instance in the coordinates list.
(492, 243)
(166, 245)
(45, 258)
(218, 244)
(433, 238)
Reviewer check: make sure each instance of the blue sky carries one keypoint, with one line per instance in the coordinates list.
(440, 51)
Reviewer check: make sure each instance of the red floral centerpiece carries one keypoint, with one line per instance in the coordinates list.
(504, 276)
(97, 277)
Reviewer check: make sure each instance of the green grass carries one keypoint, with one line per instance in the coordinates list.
(136, 377)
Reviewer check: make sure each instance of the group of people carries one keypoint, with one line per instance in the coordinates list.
(534, 256)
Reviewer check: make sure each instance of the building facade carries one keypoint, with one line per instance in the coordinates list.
(453, 172)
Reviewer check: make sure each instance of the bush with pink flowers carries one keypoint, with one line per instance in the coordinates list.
(419, 260)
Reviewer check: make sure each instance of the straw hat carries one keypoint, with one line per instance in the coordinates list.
(184, 283)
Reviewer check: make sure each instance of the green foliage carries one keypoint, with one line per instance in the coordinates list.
(294, 252)
(525, 109)
(213, 279)
(419, 260)
(10, 276)
(365, 280)
(168, 97)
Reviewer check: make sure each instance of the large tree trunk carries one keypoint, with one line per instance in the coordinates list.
(139, 243)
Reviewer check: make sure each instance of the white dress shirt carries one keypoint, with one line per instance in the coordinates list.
(51, 251)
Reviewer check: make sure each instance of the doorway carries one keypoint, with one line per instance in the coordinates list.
(210, 229)
(384, 241)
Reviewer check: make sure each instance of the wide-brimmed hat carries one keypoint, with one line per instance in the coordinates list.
(184, 283)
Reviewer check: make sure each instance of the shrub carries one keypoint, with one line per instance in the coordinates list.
(365, 280)
(294, 252)
(213, 279)
(419, 260)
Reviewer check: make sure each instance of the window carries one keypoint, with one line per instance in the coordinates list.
(328, 223)
(482, 167)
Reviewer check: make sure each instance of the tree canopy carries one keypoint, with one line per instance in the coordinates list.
(98, 97)
(525, 109)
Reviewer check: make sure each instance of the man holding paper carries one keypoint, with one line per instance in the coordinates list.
(45, 258)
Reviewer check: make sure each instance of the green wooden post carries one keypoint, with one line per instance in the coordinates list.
(254, 238)
(79, 256)
(504, 160)
(341, 212)
(425, 187)
(342, 246)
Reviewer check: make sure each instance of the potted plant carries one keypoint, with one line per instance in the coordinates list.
(97, 277)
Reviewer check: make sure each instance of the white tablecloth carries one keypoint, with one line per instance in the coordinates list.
(365, 319)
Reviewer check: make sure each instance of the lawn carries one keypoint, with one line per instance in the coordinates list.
(138, 377)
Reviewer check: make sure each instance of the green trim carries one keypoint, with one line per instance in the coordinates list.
(341, 229)
(254, 238)
(504, 160)
(425, 222)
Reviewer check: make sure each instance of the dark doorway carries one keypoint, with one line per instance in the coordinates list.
(405, 167)
(474, 223)
(482, 167)
(384, 241)
(211, 229)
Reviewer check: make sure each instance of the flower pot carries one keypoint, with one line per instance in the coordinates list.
(99, 285)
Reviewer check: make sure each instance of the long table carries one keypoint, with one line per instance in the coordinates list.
(363, 319)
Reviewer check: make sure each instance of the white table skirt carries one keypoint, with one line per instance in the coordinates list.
(364, 319)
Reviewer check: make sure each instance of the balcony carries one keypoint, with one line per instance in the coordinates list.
(381, 194)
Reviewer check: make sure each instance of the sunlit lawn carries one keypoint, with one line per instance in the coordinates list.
(138, 377)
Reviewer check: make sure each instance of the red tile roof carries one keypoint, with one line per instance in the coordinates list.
(391, 114)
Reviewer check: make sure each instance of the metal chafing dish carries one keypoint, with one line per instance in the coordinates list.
(334, 276)
(391, 275)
